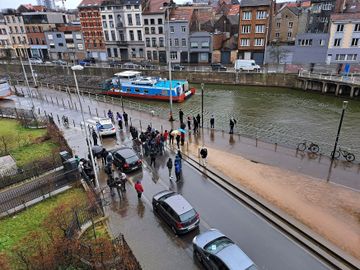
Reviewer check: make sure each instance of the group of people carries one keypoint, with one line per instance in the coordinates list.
(177, 166)
(153, 143)
(121, 119)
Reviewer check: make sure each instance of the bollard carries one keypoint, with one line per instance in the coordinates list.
(256, 142)
(104, 98)
(112, 100)
(51, 100)
(130, 122)
(320, 155)
(89, 96)
(58, 118)
(96, 97)
(57, 101)
(74, 122)
(275, 147)
(63, 102)
(81, 126)
(161, 129)
(89, 109)
(140, 126)
(59, 88)
(38, 110)
(97, 114)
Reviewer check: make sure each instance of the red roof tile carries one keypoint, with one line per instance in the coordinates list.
(233, 10)
(345, 16)
(181, 13)
(155, 6)
(85, 3)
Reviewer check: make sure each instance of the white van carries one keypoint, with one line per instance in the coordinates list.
(248, 65)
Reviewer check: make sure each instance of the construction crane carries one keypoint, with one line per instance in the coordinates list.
(63, 3)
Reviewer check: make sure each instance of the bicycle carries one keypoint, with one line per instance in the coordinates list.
(347, 155)
(305, 145)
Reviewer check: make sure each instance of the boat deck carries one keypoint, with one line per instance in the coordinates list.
(166, 84)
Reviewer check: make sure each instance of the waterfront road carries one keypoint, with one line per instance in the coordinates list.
(153, 243)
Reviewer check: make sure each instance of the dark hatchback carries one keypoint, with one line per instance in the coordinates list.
(175, 211)
(218, 67)
(126, 160)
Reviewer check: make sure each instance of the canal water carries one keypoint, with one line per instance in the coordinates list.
(284, 116)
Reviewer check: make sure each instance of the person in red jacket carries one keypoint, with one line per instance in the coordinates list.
(139, 189)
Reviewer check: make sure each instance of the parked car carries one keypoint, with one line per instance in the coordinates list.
(176, 211)
(115, 63)
(248, 65)
(130, 65)
(178, 67)
(59, 62)
(126, 160)
(85, 62)
(215, 251)
(36, 60)
(147, 65)
(105, 127)
(218, 67)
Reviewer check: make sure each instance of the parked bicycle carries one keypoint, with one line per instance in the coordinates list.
(306, 145)
(347, 155)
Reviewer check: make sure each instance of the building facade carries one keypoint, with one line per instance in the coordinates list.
(91, 26)
(344, 41)
(154, 30)
(200, 44)
(319, 16)
(254, 29)
(17, 32)
(6, 50)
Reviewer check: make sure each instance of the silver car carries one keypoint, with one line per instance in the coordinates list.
(217, 252)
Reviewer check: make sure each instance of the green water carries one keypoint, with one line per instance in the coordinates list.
(285, 116)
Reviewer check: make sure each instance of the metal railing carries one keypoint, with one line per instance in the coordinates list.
(332, 77)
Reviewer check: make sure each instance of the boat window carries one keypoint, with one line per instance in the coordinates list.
(164, 92)
(128, 89)
(146, 91)
(137, 90)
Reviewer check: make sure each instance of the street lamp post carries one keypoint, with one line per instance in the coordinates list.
(169, 61)
(79, 68)
(27, 84)
(344, 106)
(202, 106)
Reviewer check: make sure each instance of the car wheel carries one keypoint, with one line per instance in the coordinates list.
(197, 256)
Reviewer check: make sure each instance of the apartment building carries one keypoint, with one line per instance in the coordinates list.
(6, 50)
(15, 22)
(91, 26)
(319, 16)
(344, 41)
(154, 30)
(36, 23)
(254, 25)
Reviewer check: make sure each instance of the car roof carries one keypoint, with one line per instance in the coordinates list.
(160, 194)
(178, 204)
(105, 121)
(208, 236)
(125, 152)
(234, 257)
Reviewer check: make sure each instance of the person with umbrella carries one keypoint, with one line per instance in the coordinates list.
(182, 135)
(178, 140)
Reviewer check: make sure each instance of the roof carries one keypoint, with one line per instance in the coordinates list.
(233, 10)
(255, 3)
(345, 16)
(181, 14)
(88, 3)
(178, 204)
(155, 6)
(296, 4)
(127, 73)
(234, 20)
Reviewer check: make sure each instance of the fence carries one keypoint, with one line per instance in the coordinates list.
(17, 198)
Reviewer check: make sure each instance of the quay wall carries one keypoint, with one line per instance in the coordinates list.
(229, 78)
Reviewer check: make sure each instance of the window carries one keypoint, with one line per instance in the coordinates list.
(261, 15)
(160, 29)
(146, 21)
(136, 7)
(246, 29)
(113, 36)
(260, 28)
(161, 41)
(355, 42)
(115, 52)
(183, 42)
(194, 45)
(137, 19)
(160, 21)
(277, 34)
(153, 42)
(291, 24)
(131, 33)
(19, 39)
(351, 57)
(52, 46)
(152, 21)
(104, 24)
(22, 29)
(183, 29)
(244, 42)
(50, 37)
(147, 42)
(61, 44)
(340, 28)
(111, 24)
(129, 19)
(259, 42)
(170, 42)
(176, 42)
(340, 57)
(278, 25)
(326, 6)
(121, 35)
(305, 42)
(337, 42)
(152, 30)
(173, 55)
(205, 44)
(148, 55)
(103, 17)
(109, 52)
(14, 40)
(106, 35)
(172, 29)
(147, 30)
(16, 29)
(128, 7)
(155, 55)
(289, 34)
(322, 42)
(80, 46)
(247, 15)
(139, 35)
(357, 27)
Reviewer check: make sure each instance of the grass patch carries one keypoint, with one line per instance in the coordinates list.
(24, 144)
(15, 228)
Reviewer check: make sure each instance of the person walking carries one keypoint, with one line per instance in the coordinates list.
(94, 136)
(198, 118)
(152, 158)
(178, 141)
(166, 135)
(232, 124)
(139, 189)
(119, 120)
(109, 159)
(189, 122)
(196, 125)
(169, 165)
(181, 116)
(212, 121)
(182, 138)
(104, 154)
(110, 115)
(177, 170)
(126, 118)
(171, 137)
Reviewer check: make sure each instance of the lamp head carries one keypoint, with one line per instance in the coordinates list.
(345, 104)
(77, 68)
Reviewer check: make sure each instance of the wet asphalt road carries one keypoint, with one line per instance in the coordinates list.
(153, 242)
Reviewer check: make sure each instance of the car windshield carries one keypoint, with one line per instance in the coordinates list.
(106, 126)
(218, 244)
(131, 159)
(252, 267)
(187, 215)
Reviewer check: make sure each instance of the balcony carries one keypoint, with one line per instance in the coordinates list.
(122, 43)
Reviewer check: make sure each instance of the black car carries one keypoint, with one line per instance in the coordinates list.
(218, 67)
(178, 67)
(175, 211)
(126, 160)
